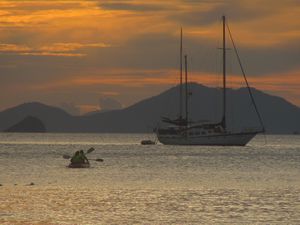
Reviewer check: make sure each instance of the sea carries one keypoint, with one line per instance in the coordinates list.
(154, 184)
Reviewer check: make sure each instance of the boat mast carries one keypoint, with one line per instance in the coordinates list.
(180, 87)
(224, 74)
(186, 91)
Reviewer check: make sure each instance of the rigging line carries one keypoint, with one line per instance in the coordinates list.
(180, 87)
(245, 78)
(186, 90)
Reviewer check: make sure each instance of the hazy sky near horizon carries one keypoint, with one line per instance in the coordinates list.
(73, 53)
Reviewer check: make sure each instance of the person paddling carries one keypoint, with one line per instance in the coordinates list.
(76, 158)
(83, 158)
(79, 158)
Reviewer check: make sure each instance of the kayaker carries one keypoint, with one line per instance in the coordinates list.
(77, 159)
(83, 158)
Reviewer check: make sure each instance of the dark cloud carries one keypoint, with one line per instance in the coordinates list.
(132, 6)
(206, 12)
(271, 60)
(161, 51)
(204, 16)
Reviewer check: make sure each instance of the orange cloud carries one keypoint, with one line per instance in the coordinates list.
(13, 48)
(88, 108)
(41, 12)
(119, 21)
(52, 54)
(171, 77)
(56, 49)
(66, 47)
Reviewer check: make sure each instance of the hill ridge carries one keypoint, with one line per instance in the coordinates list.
(279, 115)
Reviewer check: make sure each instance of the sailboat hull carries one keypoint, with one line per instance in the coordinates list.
(226, 139)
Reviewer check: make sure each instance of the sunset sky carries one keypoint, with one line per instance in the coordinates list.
(73, 53)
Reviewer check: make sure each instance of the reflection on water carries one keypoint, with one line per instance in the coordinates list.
(145, 206)
(157, 184)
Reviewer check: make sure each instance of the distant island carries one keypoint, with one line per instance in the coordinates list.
(28, 124)
(279, 115)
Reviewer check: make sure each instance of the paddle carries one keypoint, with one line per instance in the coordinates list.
(90, 150)
(97, 160)
(66, 156)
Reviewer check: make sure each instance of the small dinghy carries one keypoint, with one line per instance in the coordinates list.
(79, 165)
(147, 142)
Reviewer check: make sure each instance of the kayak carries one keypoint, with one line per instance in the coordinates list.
(79, 165)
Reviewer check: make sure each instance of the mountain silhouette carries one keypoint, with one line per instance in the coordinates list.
(55, 119)
(205, 104)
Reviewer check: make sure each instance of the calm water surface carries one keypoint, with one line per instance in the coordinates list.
(257, 184)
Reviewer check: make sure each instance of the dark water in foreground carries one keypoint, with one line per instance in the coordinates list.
(257, 184)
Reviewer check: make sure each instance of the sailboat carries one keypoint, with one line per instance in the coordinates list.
(182, 131)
